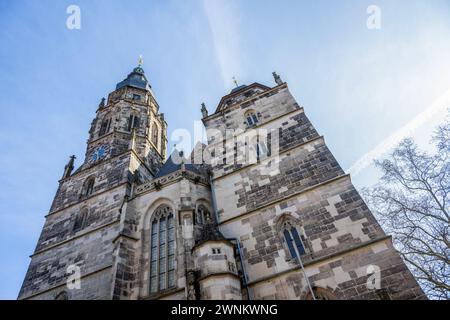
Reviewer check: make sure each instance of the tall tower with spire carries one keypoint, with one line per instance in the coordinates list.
(83, 232)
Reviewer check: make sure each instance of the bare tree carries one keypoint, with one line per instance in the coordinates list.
(412, 203)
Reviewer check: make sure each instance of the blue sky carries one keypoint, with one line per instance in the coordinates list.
(362, 89)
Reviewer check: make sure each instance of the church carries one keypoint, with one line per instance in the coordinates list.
(263, 210)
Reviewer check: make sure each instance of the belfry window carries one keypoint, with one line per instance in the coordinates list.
(89, 187)
(80, 220)
(251, 118)
(162, 255)
(106, 123)
(133, 122)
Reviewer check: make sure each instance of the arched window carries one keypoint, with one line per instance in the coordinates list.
(162, 255)
(202, 215)
(89, 187)
(80, 220)
(293, 240)
(251, 118)
(155, 135)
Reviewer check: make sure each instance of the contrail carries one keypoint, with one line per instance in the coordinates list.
(225, 34)
(439, 105)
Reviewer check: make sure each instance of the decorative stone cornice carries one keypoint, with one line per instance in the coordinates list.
(158, 184)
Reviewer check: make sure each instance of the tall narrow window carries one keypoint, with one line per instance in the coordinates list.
(133, 122)
(80, 220)
(106, 123)
(89, 187)
(261, 150)
(293, 240)
(162, 255)
(155, 135)
(251, 118)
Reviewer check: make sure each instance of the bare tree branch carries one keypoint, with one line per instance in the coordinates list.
(411, 202)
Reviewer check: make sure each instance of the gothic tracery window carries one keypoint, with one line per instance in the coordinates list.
(292, 238)
(162, 253)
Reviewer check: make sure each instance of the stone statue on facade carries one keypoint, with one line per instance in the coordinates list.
(69, 167)
(277, 78)
(204, 110)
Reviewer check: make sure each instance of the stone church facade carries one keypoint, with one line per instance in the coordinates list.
(262, 216)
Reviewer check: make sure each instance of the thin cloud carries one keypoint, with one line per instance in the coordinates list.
(438, 107)
(224, 28)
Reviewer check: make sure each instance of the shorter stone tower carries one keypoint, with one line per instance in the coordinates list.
(215, 265)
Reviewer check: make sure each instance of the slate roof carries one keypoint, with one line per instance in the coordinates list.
(210, 232)
(135, 79)
(237, 88)
(173, 164)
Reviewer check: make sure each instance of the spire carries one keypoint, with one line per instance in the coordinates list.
(140, 61)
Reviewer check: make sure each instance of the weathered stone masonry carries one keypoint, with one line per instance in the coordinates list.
(139, 227)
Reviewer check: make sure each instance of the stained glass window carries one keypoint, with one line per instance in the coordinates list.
(162, 255)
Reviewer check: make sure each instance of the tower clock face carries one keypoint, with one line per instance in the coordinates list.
(99, 153)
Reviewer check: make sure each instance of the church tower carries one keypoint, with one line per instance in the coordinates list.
(84, 230)
(304, 231)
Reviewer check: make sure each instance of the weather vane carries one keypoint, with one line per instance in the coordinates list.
(235, 82)
(141, 60)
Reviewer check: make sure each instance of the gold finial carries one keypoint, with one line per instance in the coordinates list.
(141, 60)
(235, 82)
